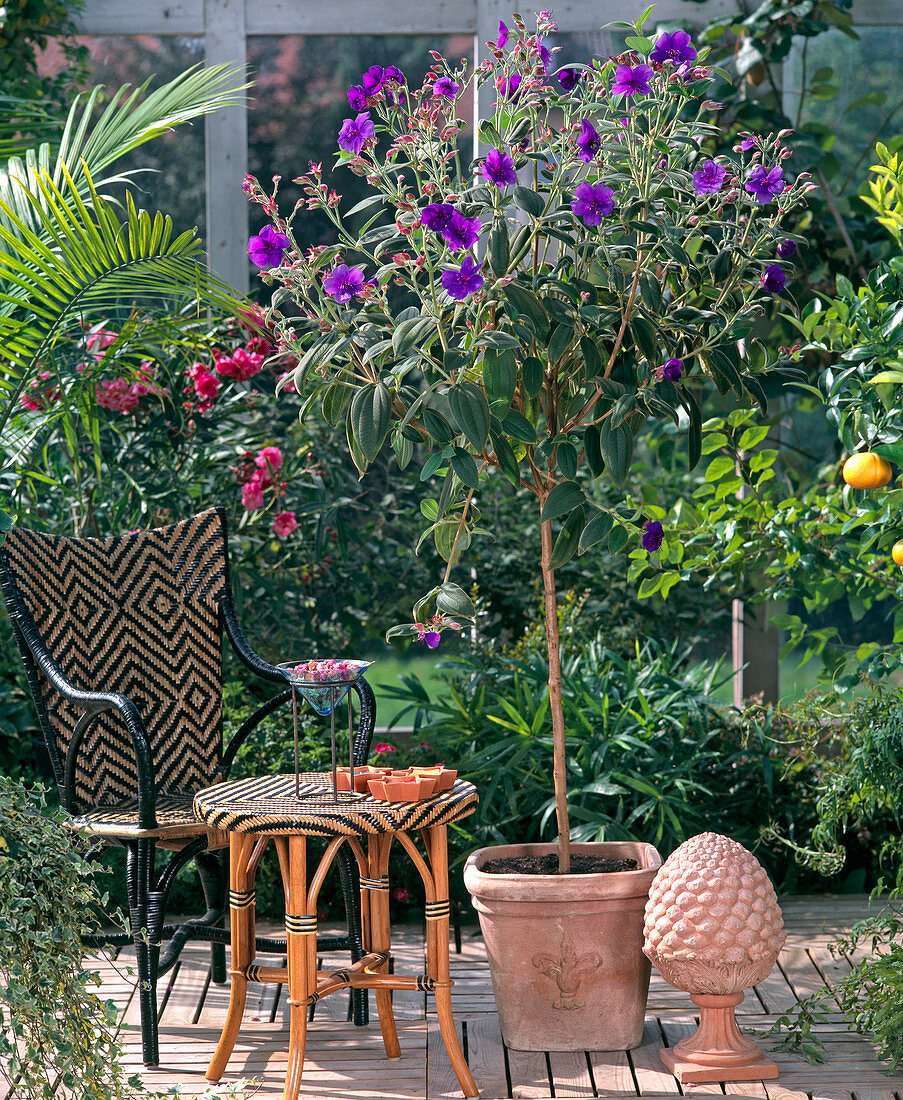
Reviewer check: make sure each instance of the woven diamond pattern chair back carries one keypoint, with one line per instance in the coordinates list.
(137, 614)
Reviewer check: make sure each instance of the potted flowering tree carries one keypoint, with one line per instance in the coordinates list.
(523, 317)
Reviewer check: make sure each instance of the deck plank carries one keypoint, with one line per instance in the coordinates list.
(345, 1062)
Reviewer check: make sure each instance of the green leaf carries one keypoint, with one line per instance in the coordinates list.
(471, 412)
(466, 468)
(429, 509)
(595, 531)
(495, 339)
(568, 539)
(369, 418)
(335, 401)
(403, 448)
(505, 457)
(444, 536)
(563, 498)
(592, 449)
(499, 375)
(527, 305)
(566, 460)
(432, 464)
(616, 445)
(518, 426)
(529, 201)
(440, 430)
(718, 467)
(532, 373)
(560, 341)
(498, 248)
(649, 585)
(891, 451)
(451, 599)
(641, 45)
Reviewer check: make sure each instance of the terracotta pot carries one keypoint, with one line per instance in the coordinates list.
(566, 951)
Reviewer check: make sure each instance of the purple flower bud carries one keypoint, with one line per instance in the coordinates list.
(786, 248)
(672, 369)
(569, 78)
(773, 279)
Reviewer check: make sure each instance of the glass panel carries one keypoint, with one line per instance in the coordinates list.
(176, 186)
(867, 66)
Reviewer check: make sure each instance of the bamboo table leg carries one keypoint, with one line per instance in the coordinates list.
(437, 961)
(301, 941)
(241, 917)
(381, 938)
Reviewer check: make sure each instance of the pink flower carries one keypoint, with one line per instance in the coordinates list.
(119, 395)
(241, 365)
(384, 746)
(99, 340)
(402, 895)
(269, 457)
(284, 524)
(38, 397)
(206, 385)
(252, 495)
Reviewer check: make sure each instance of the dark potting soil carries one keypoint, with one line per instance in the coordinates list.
(548, 865)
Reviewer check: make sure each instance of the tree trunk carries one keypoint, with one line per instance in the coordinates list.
(553, 644)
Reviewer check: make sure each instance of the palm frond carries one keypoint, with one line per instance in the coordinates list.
(81, 262)
(88, 148)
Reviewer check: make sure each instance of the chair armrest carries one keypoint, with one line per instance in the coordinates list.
(94, 703)
(239, 643)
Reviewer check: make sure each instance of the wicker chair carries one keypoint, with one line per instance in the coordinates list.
(122, 643)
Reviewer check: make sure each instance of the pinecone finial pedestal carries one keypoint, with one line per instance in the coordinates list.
(713, 928)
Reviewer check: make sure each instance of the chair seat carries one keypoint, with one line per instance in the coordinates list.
(175, 820)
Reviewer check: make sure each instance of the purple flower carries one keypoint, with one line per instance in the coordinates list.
(569, 79)
(429, 638)
(589, 141)
(672, 369)
(498, 168)
(445, 87)
(764, 184)
(773, 279)
(343, 282)
(503, 36)
(674, 46)
(355, 132)
(393, 73)
(357, 97)
(632, 81)
(653, 536)
(462, 232)
(373, 79)
(438, 216)
(593, 202)
(749, 142)
(708, 179)
(510, 87)
(268, 248)
(467, 280)
(786, 248)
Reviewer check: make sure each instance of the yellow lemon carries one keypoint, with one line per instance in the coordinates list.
(897, 552)
(866, 471)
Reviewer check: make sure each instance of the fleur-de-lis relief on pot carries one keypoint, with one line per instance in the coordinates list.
(567, 971)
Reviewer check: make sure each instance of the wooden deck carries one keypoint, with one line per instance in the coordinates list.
(346, 1062)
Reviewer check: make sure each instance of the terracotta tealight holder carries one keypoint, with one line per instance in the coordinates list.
(713, 928)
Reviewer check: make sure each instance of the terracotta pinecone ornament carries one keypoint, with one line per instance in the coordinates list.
(713, 928)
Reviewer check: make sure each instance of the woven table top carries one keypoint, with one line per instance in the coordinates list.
(267, 805)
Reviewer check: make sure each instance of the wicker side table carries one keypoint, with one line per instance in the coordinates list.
(256, 811)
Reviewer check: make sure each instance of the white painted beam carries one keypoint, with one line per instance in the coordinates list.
(227, 150)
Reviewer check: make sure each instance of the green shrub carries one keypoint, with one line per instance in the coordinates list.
(652, 757)
(56, 1033)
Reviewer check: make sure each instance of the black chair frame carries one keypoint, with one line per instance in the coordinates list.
(147, 893)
